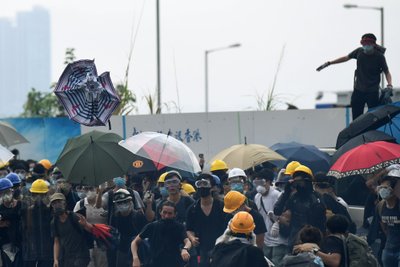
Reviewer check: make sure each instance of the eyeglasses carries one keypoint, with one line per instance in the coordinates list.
(172, 182)
(203, 183)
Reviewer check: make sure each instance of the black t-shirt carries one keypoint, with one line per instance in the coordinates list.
(305, 210)
(165, 238)
(369, 68)
(11, 234)
(391, 218)
(207, 228)
(129, 227)
(333, 244)
(71, 237)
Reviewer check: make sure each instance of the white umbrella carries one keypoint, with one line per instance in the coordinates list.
(164, 150)
(5, 155)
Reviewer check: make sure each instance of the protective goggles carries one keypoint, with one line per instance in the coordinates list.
(258, 182)
(172, 182)
(235, 180)
(203, 183)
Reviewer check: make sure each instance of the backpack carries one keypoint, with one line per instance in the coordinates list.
(357, 252)
(305, 259)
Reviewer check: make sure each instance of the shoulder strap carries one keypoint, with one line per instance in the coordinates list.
(135, 204)
(345, 250)
(82, 204)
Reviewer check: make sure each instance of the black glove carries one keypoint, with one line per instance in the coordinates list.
(323, 66)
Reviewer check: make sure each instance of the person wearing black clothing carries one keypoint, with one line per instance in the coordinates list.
(173, 183)
(10, 234)
(304, 206)
(206, 220)
(237, 246)
(371, 62)
(169, 244)
(37, 242)
(389, 215)
(129, 224)
(70, 247)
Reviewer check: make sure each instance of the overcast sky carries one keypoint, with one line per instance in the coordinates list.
(309, 32)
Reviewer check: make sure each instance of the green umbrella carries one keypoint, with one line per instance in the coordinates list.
(94, 158)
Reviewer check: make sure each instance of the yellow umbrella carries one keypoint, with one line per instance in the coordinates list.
(246, 156)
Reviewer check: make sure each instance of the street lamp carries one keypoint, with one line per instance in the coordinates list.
(382, 23)
(206, 53)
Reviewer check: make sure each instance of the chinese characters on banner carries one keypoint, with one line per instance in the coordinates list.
(186, 136)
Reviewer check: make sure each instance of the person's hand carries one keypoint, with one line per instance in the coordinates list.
(136, 262)
(82, 220)
(306, 247)
(195, 241)
(185, 255)
(55, 263)
(4, 223)
(148, 198)
(323, 66)
(389, 86)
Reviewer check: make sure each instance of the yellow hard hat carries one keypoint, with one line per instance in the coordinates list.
(188, 188)
(233, 200)
(217, 165)
(39, 186)
(45, 163)
(291, 167)
(161, 179)
(242, 223)
(304, 169)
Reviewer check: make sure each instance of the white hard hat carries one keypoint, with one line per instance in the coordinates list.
(236, 172)
(393, 170)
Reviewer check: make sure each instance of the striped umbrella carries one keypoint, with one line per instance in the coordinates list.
(88, 99)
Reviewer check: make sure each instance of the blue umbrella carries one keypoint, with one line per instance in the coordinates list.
(392, 127)
(307, 155)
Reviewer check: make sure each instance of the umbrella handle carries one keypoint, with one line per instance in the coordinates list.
(162, 151)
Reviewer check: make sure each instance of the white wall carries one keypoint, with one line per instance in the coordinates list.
(220, 130)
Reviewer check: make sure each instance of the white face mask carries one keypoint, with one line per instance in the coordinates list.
(261, 189)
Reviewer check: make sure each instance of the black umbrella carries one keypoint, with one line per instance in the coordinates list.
(367, 137)
(369, 121)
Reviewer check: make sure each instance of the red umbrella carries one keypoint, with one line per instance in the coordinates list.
(365, 159)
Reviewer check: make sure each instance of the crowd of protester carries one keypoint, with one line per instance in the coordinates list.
(224, 217)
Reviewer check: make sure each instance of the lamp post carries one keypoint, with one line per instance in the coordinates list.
(158, 56)
(206, 53)
(381, 9)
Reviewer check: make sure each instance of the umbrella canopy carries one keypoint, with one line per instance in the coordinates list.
(246, 156)
(392, 127)
(307, 155)
(163, 150)
(88, 99)
(371, 120)
(365, 159)
(5, 155)
(367, 137)
(9, 136)
(94, 158)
